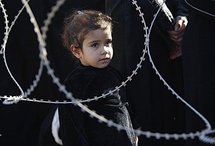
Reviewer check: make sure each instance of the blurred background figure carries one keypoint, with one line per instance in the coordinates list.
(153, 107)
(198, 62)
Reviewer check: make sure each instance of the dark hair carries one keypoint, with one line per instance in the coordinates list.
(79, 23)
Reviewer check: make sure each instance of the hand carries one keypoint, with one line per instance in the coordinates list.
(180, 23)
(177, 35)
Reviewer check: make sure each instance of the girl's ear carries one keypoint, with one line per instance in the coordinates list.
(76, 51)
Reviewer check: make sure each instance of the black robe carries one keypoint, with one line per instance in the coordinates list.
(198, 62)
(77, 128)
(154, 108)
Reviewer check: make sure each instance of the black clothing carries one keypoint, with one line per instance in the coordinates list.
(78, 128)
(198, 61)
(202, 7)
(154, 108)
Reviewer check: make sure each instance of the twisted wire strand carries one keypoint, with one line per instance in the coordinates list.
(2, 51)
(200, 10)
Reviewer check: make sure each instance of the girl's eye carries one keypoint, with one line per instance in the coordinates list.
(109, 43)
(95, 45)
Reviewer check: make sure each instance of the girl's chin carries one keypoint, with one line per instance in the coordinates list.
(103, 65)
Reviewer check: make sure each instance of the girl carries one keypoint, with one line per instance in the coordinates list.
(87, 35)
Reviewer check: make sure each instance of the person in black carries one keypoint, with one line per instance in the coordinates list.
(198, 62)
(87, 35)
(153, 107)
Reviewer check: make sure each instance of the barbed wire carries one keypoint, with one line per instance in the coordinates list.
(44, 62)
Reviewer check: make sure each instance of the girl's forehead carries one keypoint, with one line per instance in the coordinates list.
(99, 33)
(105, 24)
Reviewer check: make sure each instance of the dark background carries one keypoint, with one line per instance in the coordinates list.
(20, 123)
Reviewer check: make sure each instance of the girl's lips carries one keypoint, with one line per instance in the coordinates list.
(104, 60)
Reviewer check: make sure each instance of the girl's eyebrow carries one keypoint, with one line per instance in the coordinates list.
(94, 41)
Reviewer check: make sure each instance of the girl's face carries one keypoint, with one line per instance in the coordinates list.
(97, 48)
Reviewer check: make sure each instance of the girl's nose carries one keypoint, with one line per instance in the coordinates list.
(105, 50)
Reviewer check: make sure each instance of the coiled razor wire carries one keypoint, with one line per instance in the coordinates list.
(203, 135)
